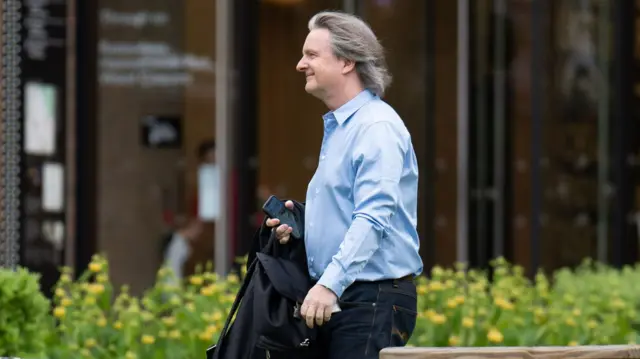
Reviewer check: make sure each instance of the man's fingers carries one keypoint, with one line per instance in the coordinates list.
(309, 315)
(327, 313)
(320, 315)
(282, 233)
(272, 222)
(282, 230)
(289, 204)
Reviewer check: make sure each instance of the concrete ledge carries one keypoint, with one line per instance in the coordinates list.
(577, 352)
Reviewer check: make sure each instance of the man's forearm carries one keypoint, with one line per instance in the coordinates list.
(360, 243)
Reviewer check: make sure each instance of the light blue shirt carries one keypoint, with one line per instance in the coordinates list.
(361, 205)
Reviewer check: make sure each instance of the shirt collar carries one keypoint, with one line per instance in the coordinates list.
(345, 111)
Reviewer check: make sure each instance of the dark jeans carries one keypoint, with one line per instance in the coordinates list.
(374, 316)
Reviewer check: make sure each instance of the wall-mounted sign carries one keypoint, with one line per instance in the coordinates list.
(161, 131)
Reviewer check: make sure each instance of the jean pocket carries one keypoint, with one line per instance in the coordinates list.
(403, 323)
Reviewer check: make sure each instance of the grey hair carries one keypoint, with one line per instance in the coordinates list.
(352, 39)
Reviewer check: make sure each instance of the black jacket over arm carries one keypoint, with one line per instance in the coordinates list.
(267, 305)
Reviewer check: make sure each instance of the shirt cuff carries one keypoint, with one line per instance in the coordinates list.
(334, 279)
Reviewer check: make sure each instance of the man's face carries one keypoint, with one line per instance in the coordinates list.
(323, 70)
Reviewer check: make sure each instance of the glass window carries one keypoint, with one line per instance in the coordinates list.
(290, 126)
(576, 125)
(155, 108)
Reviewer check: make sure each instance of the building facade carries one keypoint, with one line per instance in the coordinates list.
(522, 113)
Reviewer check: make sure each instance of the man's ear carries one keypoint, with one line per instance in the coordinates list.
(349, 65)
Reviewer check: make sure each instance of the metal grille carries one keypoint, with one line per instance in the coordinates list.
(10, 136)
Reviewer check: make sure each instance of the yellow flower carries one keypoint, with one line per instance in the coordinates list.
(205, 336)
(130, 355)
(454, 340)
(212, 329)
(570, 322)
(437, 271)
(85, 352)
(207, 291)
(90, 343)
(102, 278)
(59, 312)
(577, 312)
(95, 288)
(174, 334)
(65, 302)
(430, 313)
(65, 278)
(422, 289)
(148, 339)
(117, 325)
(436, 286)
(169, 321)
(90, 300)
(592, 324)
(572, 343)
(95, 267)
(233, 278)
(438, 318)
(60, 292)
(196, 280)
(503, 303)
(217, 316)
(467, 322)
(102, 322)
(495, 336)
(452, 303)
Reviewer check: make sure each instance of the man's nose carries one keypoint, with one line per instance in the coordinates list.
(301, 66)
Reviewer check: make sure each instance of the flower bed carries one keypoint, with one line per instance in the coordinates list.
(591, 305)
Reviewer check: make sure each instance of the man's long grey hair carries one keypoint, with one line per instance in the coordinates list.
(352, 39)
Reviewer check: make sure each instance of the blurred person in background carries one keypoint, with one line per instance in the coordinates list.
(177, 247)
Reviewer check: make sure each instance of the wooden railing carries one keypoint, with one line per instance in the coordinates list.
(571, 352)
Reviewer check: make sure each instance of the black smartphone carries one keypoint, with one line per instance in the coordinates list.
(275, 208)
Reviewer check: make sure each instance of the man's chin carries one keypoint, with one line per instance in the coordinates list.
(311, 89)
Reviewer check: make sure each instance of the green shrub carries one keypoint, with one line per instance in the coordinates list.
(593, 304)
(24, 314)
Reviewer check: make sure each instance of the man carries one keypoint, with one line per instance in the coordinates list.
(361, 204)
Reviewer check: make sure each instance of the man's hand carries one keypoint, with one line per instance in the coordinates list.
(318, 305)
(283, 232)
